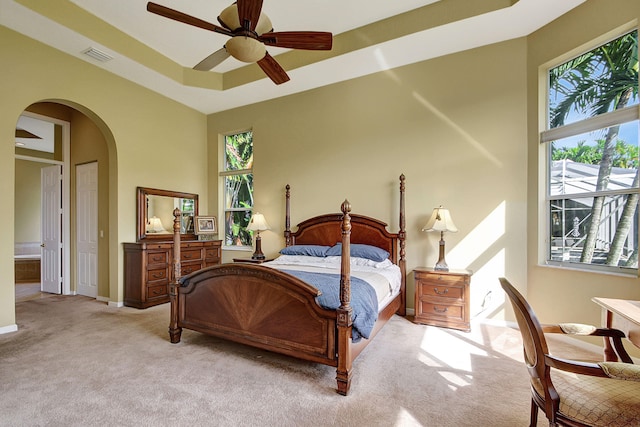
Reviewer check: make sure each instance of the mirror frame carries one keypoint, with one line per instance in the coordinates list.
(142, 194)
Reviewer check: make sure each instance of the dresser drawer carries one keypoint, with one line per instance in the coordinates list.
(157, 258)
(190, 254)
(157, 291)
(158, 274)
(212, 255)
(193, 244)
(189, 268)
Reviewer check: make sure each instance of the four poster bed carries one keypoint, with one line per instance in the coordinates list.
(274, 307)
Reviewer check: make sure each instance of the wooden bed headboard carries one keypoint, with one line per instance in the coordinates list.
(326, 230)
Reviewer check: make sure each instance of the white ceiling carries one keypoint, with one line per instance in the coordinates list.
(186, 46)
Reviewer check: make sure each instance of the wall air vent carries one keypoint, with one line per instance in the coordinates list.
(98, 55)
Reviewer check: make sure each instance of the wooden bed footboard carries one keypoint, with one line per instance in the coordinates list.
(259, 306)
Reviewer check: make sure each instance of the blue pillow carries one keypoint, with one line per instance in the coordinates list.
(361, 251)
(308, 250)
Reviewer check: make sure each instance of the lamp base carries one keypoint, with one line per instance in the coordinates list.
(441, 265)
(258, 252)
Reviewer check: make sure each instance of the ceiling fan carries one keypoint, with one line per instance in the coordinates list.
(250, 30)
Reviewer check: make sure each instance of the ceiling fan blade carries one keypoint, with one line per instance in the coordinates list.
(186, 19)
(310, 40)
(249, 13)
(273, 70)
(212, 60)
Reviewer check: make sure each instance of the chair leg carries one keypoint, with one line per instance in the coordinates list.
(534, 414)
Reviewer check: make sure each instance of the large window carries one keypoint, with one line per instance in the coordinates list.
(238, 188)
(591, 145)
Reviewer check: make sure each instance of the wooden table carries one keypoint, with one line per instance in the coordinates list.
(620, 314)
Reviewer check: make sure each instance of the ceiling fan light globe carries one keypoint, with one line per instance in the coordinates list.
(245, 49)
(229, 16)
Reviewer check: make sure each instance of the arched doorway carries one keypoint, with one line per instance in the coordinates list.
(89, 141)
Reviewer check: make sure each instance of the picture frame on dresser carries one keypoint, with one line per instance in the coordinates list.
(206, 225)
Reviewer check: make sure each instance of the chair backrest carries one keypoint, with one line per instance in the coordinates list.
(535, 346)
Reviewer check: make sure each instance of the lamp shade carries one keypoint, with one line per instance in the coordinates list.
(155, 225)
(258, 223)
(440, 220)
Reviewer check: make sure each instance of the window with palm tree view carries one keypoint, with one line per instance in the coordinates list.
(238, 188)
(592, 149)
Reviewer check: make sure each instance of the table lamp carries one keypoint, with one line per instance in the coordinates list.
(441, 221)
(258, 223)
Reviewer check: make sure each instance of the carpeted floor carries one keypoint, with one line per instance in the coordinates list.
(77, 362)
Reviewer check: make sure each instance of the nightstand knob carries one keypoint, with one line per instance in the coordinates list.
(440, 310)
(444, 292)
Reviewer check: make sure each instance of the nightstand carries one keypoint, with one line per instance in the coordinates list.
(252, 261)
(442, 298)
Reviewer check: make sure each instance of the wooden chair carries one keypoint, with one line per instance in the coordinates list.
(575, 393)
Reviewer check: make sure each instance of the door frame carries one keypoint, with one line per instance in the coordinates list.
(66, 198)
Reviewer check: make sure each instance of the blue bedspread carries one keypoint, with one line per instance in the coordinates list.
(363, 299)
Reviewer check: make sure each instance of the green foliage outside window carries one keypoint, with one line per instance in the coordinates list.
(238, 188)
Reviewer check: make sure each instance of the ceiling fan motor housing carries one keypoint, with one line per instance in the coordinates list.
(245, 49)
(229, 18)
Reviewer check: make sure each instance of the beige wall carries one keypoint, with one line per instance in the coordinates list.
(27, 201)
(455, 126)
(145, 134)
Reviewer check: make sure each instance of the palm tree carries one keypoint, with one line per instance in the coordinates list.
(599, 81)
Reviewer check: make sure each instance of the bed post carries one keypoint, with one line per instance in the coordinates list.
(345, 311)
(402, 235)
(287, 219)
(174, 330)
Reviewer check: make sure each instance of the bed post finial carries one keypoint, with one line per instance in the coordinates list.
(287, 219)
(174, 330)
(402, 263)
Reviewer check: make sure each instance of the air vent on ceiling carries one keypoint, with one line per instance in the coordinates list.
(98, 55)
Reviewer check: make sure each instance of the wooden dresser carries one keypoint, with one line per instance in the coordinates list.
(148, 268)
(442, 298)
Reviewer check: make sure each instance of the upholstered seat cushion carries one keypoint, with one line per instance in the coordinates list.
(597, 401)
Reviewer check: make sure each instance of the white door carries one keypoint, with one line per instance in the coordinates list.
(51, 254)
(87, 228)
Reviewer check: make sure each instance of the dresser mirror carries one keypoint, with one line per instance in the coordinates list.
(155, 214)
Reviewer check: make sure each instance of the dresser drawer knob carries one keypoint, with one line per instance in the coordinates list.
(440, 310)
(439, 292)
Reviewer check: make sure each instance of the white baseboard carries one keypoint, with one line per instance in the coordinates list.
(116, 304)
(8, 329)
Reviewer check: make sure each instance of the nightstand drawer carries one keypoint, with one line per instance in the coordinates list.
(441, 279)
(433, 310)
(430, 289)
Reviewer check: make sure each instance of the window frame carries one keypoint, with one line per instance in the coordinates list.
(547, 135)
